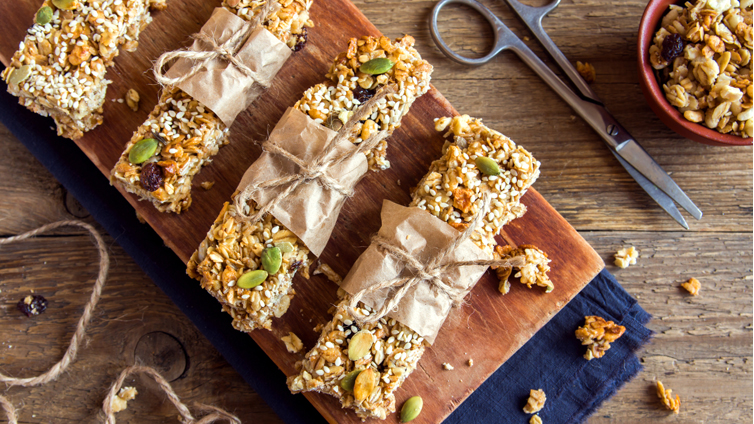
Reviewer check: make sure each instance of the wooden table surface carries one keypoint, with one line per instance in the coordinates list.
(703, 345)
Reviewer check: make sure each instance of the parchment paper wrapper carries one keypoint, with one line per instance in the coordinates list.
(421, 235)
(311, 210)
(220, 85)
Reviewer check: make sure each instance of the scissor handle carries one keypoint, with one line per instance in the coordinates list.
(498, 46)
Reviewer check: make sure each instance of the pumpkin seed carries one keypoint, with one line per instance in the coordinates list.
(66, 4)
(271, 260)
(364, 384)
(142, 150)
(284, 246)
(19, 75)
(487, 166)
(411, 409)
(376, 66)
(359, 345)
(251, 279)
(348, 381)
(44, 15)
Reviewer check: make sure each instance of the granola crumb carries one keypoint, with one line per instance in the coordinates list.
(206, 185)
(140, 218)
(535, 419)
(533, 272)
(120, 402)
(331, 275)
(447, 366)
(626, 256)
(587, 71)
(597, 334)
(292, 342)
(536, 401)
(692, 286)
(132, 99)
(666, 396)
(470, 362)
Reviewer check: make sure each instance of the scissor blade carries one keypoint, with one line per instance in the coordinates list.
(640, 160)
(655, 193)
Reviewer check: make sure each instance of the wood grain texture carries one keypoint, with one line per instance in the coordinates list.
(703, 346)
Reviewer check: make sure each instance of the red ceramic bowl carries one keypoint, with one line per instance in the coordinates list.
(654, 94)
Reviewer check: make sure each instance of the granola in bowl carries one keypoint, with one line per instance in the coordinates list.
(702, 56)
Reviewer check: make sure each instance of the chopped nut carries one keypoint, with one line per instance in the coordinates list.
(207, 184)
(132, 99)
(692, 286)
(625, 257)
(598, 334)
(666, 396)
(120, 402)
(292, 342)
(536, 401)
(533, 272)
(587, 71)
(535, 419)
(447, 366)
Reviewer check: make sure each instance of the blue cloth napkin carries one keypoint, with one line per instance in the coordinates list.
(552, 360)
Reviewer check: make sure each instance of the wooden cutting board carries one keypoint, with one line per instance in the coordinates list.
(489, 328)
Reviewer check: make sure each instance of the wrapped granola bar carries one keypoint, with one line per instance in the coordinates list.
(234, 247)
(59, 68)
(190, 122)
(451, 190)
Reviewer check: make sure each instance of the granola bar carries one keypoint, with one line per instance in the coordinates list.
(448, 191)
(327, 103)
(59, 68)
(190, 134)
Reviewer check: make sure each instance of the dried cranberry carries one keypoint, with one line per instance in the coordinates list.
(301, 40)
(672, 47)
(363, 94)
(151, 176)
(295, 265)
(32, 305)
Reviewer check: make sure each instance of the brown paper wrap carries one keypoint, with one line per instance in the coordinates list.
(311, 210)
(421, 235)
(219, 84)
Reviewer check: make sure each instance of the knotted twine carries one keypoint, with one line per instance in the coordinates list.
(429, 272)
(316, 170)
(70, 355)
(226, 50)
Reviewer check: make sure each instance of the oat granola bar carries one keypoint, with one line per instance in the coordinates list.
(188, 133)
(449, 191)
(59, 68)
(227, 252)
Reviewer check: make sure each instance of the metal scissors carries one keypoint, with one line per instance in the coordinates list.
(639, 164)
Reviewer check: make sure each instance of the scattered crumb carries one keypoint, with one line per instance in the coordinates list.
(292, 342)
(323, 268)
(625, 257)
(318, 327)
(207, 185)
(119, 100)
(470, 362)
(398, 182)
(32, 305)
(536, 401)
(533, 272)
(667, 398)
(692, 286)
(140, 218)
(132, 99)
(447, 366)
(535, 419)
(120, 402)
(526, 38)
(598, 334)
(587, 71)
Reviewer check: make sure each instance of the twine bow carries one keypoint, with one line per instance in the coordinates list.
(226, 51)
(316, 170)
(429, 272)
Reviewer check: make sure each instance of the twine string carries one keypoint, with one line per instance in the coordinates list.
(226, 51)
(10, 410)
(429, 272)
(316, 170)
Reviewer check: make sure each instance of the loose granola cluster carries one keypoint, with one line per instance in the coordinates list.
(703, 52)
(597, 334)
(536, 401)
(332, 102)
(666, 396)
(59, 68)
(189, 133)
(626, 256)
(692, 286)
(534, 271)
(232, 248)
